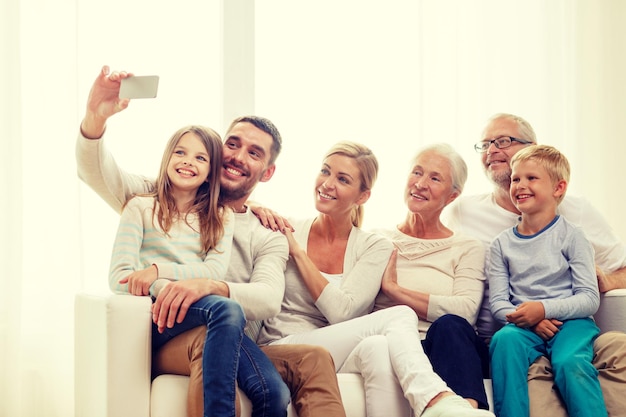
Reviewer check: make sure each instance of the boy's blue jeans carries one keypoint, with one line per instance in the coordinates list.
(230, 356)
(513, 349)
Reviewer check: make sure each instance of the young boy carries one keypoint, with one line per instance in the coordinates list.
(544, 288)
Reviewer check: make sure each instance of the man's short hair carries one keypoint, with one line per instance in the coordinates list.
(268, 127)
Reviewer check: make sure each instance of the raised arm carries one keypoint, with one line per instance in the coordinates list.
(103, 102)
(96, 166)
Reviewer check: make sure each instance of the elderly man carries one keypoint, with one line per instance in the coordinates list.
(486, 215)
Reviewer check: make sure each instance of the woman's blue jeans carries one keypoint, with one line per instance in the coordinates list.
(230, 356)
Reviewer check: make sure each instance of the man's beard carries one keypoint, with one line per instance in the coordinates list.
(233, 194)
(501, 179)
(239, 190)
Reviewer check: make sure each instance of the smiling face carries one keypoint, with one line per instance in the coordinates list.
(247, 152)
(189, 164)
(338, 186)
(532, 189)
(430, 185)
(496, 162)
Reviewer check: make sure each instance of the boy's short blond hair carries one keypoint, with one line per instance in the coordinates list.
(550, 158)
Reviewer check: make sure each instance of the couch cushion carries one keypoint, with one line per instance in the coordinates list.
(169, 394)
(169, 398)
(612, 312)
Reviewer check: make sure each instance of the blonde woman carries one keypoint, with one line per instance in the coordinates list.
(332, 279)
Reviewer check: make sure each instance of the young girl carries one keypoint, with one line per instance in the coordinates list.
(179, 232)
(162, 236)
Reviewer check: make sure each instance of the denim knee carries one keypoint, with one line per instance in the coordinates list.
(227, 311)
(269, 397)
(260, 381)
(280, 399)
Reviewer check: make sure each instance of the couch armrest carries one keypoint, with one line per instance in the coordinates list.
(112, 342)
(612, 312)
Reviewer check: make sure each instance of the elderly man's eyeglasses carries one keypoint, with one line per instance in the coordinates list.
(502, 142)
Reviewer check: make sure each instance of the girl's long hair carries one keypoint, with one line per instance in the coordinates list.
(206, 204)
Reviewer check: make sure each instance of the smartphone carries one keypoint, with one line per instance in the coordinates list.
(139, 86)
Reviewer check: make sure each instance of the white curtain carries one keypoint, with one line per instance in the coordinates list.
(394, 75)
(39, 208)
(397, 75)
(57, 234)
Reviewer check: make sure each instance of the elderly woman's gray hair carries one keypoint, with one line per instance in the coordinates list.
(458, 167)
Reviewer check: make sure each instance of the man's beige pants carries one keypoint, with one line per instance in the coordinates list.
(308, 371)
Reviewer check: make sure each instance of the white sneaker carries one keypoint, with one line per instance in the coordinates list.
(455, 406)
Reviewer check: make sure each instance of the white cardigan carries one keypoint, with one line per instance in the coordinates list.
(365, 260)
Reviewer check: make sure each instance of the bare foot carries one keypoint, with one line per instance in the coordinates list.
(472, 402)
(444, 394)
(448, 404)
(438, 397)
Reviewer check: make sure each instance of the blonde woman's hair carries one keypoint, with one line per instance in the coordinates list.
(553, 161)
(206, 203)
(368, 169)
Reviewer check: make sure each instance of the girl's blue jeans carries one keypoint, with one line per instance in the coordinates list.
(230, 356)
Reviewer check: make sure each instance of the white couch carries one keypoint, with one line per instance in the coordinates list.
(112, 361)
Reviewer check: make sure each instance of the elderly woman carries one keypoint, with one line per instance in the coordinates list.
(439, 274)
(333, 276)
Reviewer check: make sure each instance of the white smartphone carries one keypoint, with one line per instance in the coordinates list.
(139, 86)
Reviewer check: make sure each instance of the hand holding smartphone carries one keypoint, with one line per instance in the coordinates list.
(139, 86)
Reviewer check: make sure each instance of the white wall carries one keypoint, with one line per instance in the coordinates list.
(182, 43)
(401, 74)
(57, 234)
(600, 78)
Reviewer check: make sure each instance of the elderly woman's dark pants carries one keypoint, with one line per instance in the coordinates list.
(459, 357)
